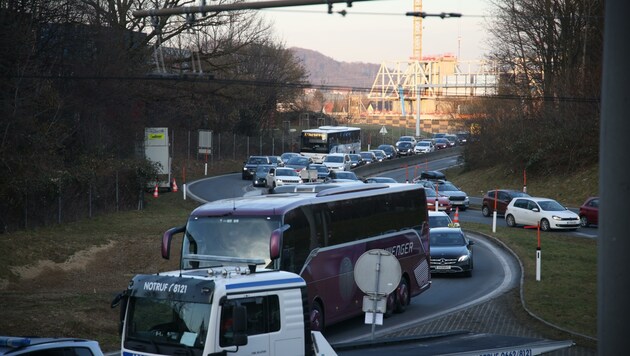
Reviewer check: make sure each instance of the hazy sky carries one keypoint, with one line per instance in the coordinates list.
(377, 31)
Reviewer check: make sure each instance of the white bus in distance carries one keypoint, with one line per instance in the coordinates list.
(317, 143)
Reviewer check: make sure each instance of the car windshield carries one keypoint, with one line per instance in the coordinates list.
(334, 159)
(439, 221)
(405, 144)
(298, 161)
(367, 155)
(447, 187)
(346, 175)
(262, 170)
(321, 169)
(286, 172)
(430, 192)
(257, 160)
(287, 156)
(447, 238)
(423, 143)
(551, 205)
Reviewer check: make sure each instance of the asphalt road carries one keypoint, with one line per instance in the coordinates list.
(493, 274)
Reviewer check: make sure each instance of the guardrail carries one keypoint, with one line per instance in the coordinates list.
(396, 163)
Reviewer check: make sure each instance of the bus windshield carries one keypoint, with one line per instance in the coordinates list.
(314, 143)
(228, 236)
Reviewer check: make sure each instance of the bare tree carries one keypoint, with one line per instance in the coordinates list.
(548, 113)
(553, 47)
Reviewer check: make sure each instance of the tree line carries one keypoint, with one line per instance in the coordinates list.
(82, 79)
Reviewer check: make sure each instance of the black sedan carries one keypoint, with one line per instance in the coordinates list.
(260, 175)
(451, 251)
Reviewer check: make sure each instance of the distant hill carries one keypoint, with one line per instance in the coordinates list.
(324, 70)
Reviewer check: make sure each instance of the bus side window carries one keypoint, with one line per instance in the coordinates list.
(296, 240)
(287, 258)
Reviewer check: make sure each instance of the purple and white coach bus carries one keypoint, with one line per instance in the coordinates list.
(319, 236)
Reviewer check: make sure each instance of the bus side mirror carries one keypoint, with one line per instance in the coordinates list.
(275, 242)
(239, 317)
(166, 240)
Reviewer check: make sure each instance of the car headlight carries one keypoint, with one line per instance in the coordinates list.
(556, 217)
(244, 168)
(463, 258)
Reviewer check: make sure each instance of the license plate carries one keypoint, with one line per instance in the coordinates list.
(442, 267)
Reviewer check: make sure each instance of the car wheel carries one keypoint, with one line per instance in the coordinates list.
(485, 211)
(402, 295)
(583, 221)
(509, 220)
(544, 225)
(317, 317)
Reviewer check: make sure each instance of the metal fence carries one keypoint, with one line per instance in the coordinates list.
(71, 199)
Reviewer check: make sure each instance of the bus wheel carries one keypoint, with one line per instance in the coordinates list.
(391, 305)
(402, 295)
(317, 317)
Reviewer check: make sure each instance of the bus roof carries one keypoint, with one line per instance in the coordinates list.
(275, 204)
(328, 129)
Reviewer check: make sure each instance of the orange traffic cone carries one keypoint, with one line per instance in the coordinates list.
(175, 186)
(155, 192)
(456, 217)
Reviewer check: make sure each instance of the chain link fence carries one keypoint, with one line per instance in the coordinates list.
(73, 198)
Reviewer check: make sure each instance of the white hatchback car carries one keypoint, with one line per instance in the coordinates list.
(424, 147)
(547, 212)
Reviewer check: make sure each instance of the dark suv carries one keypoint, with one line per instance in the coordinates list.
(503, 197)
(249, 167)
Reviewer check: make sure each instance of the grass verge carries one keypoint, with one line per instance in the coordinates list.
(566, 294)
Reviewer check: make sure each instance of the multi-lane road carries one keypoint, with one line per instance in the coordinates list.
(495, 271)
